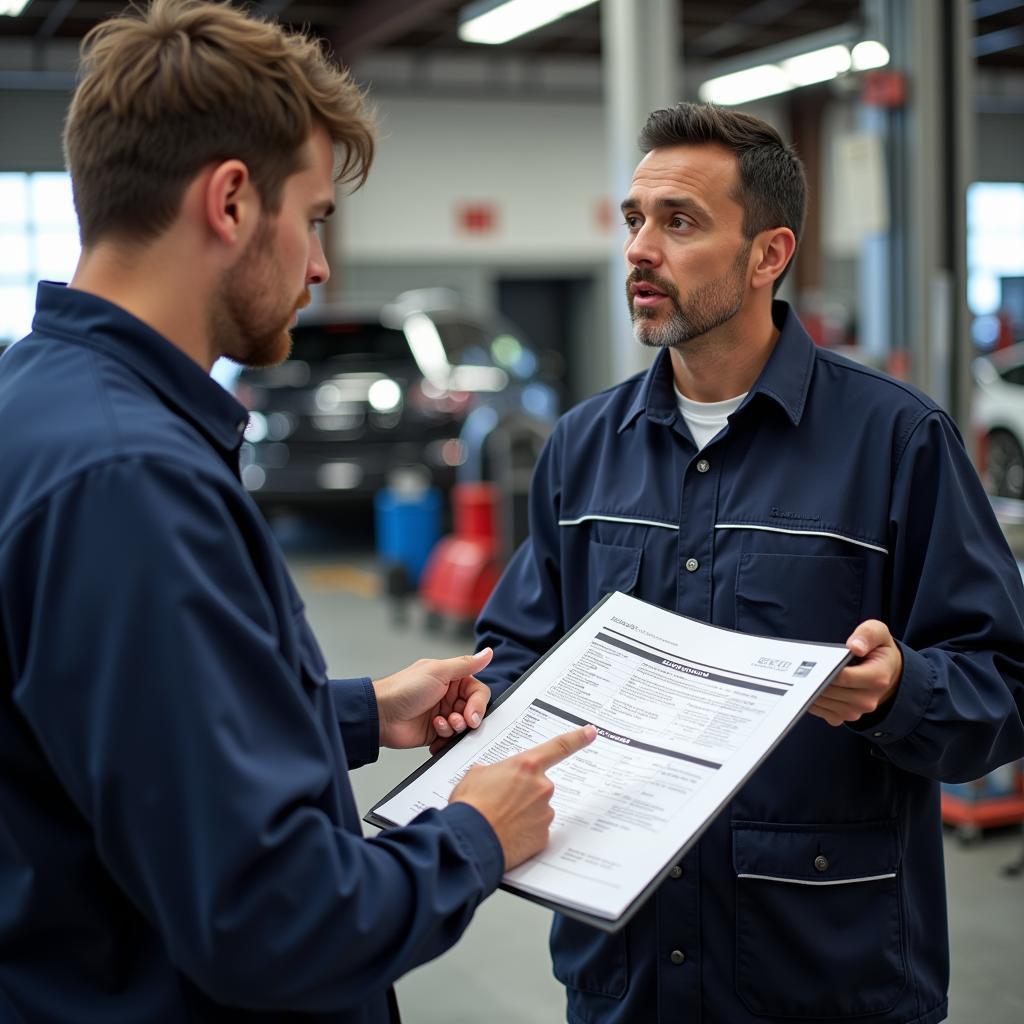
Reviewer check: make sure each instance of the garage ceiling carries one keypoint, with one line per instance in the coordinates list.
(711, 30)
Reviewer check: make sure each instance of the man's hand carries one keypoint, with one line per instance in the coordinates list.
(431, 700)
(514, 795)
(864, 687)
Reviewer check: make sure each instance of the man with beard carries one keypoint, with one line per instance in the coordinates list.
(178, 836)
(752, 480)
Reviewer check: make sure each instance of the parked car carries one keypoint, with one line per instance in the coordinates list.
(367, 397)
(998, 420)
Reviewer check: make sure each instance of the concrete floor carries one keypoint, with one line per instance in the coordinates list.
(359, 637)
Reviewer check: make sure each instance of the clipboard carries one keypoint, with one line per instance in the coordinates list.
(671, 854)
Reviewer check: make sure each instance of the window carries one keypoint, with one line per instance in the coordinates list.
(995, 244)
(38, 242)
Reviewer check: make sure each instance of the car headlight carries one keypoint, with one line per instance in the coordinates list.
(384, 395)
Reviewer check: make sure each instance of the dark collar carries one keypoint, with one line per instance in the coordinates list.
(85, 319)
(785, 377)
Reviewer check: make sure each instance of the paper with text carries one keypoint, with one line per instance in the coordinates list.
(685, 713)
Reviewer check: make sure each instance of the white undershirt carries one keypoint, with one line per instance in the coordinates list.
(706, 419)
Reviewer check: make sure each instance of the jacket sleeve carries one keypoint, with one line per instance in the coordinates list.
(355, 707)
(524, 616)
(956, 610)
(151, 674)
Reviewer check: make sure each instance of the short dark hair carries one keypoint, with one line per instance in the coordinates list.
(773, 187)
(169, 88)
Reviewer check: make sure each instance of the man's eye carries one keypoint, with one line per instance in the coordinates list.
(680, 222)
(632, 223)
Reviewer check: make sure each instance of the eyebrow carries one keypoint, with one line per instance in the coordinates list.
(325, 207)
(684, 203)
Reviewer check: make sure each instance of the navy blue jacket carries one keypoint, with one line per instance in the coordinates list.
(833, 496)
(177, 830)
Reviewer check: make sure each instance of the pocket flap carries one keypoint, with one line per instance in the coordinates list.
(815, 854)
(613, 567)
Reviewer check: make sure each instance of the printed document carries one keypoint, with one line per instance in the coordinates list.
(685, 712)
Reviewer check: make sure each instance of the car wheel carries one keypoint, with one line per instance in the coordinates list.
(1005, 465)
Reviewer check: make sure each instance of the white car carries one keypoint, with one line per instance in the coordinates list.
(997, 416)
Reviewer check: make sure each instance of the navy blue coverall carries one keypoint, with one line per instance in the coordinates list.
(834, 495)
(178, 837)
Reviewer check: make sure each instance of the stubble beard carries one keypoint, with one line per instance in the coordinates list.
(707, 307)
(249, 322)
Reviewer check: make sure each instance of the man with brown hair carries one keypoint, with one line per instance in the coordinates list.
(755, 481)
(178, 838)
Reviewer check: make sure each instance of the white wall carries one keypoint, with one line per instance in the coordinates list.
(542, 166)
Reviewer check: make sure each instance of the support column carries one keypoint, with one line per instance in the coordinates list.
(931, 151)
(642, 71)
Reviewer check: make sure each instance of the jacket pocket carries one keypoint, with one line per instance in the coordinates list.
(588, 960)
(800, 597)
(612, 567)
(818, 919)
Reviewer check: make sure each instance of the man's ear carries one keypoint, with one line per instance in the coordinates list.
(772, 250)
(232, 205)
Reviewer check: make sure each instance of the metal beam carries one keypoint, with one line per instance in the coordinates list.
(272, 8)
(743, 25)
(54, 20)
(37, 81)
(997, 42)
(642, 71)
(375, 22)
(932, 148)
(986, 8)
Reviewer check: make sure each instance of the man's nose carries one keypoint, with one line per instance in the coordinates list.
(318, 271)
(641, 249)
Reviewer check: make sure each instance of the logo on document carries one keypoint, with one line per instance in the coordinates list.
(804, 668)
(773, 664)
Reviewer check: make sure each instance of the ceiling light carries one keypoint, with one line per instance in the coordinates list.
(793, 72)
(817, 66)
(869, 54)
(12, 7)
(498, 21)
(743, 86)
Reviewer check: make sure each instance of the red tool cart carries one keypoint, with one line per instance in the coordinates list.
(994, 801)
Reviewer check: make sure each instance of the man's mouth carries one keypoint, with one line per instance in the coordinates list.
(645, 294)
(304, 300)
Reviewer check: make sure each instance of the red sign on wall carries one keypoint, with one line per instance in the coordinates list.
(477, 218)
(884, 88)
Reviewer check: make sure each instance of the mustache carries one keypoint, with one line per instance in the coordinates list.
(639, 274)
(304, 299)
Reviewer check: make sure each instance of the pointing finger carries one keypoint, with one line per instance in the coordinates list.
(558, 748)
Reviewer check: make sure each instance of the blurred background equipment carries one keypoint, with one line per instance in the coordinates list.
(490, 514)
(998, 418)
(366, 396)
(993, 802)
(465, 566)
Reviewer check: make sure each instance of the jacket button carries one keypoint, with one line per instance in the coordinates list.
(677, 956)
(821, 863)
(692, 565)
(676, 872)
(703, 466)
